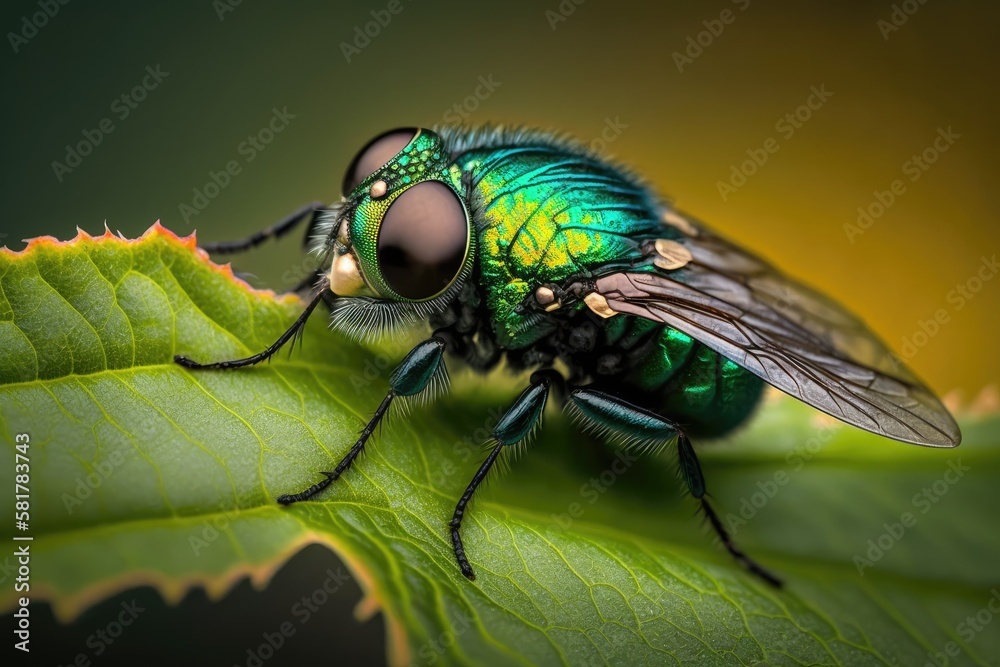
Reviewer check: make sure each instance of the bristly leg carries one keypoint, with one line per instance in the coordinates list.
(456, 519)
(293, 331)
(345, 462)
(418, 370)
(516, 424)
(647, 430)
(691, 472)
(277, 230)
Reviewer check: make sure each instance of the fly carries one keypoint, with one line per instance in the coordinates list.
(519, 245)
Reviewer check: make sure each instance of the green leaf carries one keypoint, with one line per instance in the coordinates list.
(143, 472)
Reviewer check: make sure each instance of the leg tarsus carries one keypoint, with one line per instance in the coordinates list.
(456, 520)
(345, 462)
(293, 331)
(750, 564)
(290, 498)
(643, 427)
(515, 425)
(695, 480)
(411, 377)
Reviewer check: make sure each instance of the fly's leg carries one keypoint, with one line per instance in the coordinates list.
(514, 426)
(691, 472)
(293, 331)
(422, 367)
(309, 281)
(276, 230)
(651, 431)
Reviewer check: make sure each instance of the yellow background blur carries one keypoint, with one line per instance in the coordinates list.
(682, 127)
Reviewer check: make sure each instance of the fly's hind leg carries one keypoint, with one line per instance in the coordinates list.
(652, 431)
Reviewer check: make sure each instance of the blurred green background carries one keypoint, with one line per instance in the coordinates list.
(683, 121)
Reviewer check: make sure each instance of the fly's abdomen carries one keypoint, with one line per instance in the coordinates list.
(679, 377)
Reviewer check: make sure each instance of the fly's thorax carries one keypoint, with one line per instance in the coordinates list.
(549, 213)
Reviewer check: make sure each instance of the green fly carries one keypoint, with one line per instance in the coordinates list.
(522, 246)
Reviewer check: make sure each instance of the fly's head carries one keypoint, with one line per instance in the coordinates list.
(401, 242)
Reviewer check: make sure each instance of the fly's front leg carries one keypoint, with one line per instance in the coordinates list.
(295, 330)
(513, 427)
(649, 431)
(277, 230)
(422, 367)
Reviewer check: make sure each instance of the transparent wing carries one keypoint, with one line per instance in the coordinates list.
(791, 336)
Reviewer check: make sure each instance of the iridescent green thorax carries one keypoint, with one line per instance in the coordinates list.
(547, 213)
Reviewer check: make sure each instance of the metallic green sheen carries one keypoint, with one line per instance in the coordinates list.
(423, 159)
(703, 391)
(522, 417)
(671, 350)
(710, 393)
(415, 372)
(546, 214)
(546, 211)
(609, 413)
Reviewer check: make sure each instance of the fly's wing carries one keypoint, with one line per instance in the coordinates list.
(788, 334)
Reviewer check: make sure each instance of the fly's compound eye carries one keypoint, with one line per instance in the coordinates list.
(375, 154)
(422, 241)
